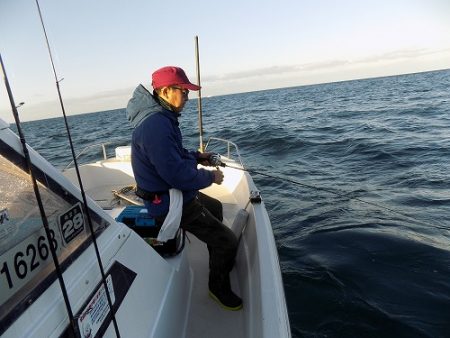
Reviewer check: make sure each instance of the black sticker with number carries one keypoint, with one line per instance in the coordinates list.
(71, 223)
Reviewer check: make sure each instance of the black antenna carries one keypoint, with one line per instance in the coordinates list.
(86, 207)
(38, 198)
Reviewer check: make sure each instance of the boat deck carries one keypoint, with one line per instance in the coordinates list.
(205, 312)
(206, 317)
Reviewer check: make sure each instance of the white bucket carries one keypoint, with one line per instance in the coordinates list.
(123, 153)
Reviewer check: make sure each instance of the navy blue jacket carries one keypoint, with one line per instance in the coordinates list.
(158, 158)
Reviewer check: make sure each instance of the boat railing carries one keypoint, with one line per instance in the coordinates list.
(102, 145)
(229, 147)
(229, 144)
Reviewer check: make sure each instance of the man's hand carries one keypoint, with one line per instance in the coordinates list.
(218, 176)
(203, 158)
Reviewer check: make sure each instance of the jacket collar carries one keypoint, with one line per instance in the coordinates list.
(143, 104)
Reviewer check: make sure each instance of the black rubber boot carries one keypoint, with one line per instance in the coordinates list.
(220, 291)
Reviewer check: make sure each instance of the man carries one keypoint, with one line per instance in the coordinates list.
(160, 163)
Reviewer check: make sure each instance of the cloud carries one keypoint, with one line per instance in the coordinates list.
(275, 70)
(109, 94)
(251, 73)
(99, 101)
(402, 54)
(391, 56)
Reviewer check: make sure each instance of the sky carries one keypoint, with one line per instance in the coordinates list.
(103, 49)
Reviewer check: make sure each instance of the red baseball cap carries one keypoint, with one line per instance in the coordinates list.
(172, 76)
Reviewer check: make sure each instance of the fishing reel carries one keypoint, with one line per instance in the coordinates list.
(216, 160)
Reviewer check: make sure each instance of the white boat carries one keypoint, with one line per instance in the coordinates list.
(152, 295)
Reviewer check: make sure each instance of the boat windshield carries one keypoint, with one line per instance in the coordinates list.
(26, 265)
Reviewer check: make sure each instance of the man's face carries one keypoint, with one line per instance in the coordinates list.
(177, 97)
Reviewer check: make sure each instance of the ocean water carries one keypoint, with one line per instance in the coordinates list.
(357, 187)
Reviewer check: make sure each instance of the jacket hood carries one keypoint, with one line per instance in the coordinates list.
(141, 105)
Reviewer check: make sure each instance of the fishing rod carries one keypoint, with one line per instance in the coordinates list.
(83, 194)
(199, 101)
(38, 199)
(215, 160)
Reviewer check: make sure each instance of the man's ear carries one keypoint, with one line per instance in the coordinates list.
(164, 91)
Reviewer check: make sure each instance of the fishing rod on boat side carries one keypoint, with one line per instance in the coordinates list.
(38, 199)
(199, 100)
(83, 194)
(215, 160)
